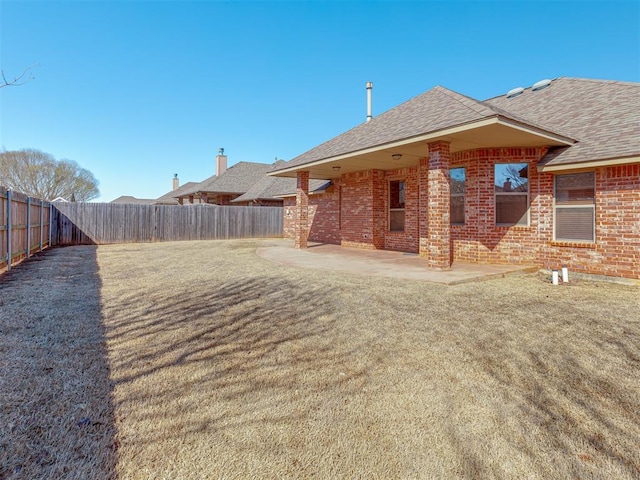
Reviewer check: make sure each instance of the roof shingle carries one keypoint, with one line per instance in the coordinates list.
(238, 178)
(603, 116)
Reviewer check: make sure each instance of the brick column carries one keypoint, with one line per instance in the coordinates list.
(302, 210)
(438, 207)
(423, 201)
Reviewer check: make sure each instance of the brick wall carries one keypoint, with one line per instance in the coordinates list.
(324, 217)
(406, 241)
(259, 203)
(289, 220)
(480, 239)
(221, 199)
(365, 206)
(357, 209)
(616, 251)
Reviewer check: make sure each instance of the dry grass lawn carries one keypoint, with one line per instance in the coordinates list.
(200, 360)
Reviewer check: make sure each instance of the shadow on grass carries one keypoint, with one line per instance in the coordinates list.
(574, 397)
(56, 415)
(246, 354)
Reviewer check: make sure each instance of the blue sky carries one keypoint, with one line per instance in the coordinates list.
(136, 91)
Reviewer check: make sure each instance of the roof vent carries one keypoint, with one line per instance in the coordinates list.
(540, 85)
(515, 92)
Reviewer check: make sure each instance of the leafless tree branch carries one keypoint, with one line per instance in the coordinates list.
(19, 80)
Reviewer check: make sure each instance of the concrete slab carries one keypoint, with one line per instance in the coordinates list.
(382, 263)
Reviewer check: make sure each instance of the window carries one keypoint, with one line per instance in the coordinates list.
(512, 193)
(575, 207)
(457, 195)
(396, 206)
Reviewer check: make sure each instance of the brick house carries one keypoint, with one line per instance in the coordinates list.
(547, 175)
(242, 184)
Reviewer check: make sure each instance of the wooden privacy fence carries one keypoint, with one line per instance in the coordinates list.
(103, 223)
(24, 227)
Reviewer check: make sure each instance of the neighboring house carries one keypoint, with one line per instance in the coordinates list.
(179, 195)
(243, 184)
(166, 199)
(225, 187)
(548, 175)
(269, 189)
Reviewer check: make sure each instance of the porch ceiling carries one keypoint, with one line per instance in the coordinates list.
(489, 133)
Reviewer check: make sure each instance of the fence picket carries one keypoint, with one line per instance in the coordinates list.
(104, 223)
(18, 216)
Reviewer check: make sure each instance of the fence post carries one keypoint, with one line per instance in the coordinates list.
(41, 223)
(50, 222)
(9, 224)
(28, 227)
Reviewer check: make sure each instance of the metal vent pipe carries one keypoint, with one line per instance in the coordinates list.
(369, 88)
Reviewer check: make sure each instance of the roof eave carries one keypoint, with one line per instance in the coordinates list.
(588, 165)
(441, 134)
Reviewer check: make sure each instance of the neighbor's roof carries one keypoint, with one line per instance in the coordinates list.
(603, 116)
(132, 200)
(238, 178)
(274, 188)
(169, 198)
(266, 188)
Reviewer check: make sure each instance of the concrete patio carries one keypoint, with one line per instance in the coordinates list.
(382, 263)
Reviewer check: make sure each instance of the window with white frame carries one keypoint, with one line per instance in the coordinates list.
(511, 187)
(396, 205)
(575, 207)
(457, 191)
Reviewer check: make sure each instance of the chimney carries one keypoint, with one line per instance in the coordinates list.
(176, 182)
(369, 88)
(221, 162)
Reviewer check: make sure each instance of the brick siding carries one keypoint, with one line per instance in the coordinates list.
(480, 240)
(616, 251)
(363, 219)
(406, 241)
(323, 227)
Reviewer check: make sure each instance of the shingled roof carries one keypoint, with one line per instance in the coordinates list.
(434, 110)
(132, 200)
(238, 178)
(603, 116)
(268, 188)
(169, 198)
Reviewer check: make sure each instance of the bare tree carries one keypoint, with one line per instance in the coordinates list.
(21, 79)
(517, 176)
(40, 175)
